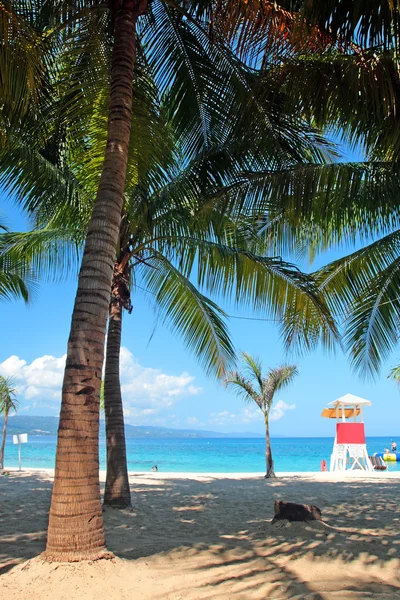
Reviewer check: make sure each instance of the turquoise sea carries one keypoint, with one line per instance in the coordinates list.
(213, 455)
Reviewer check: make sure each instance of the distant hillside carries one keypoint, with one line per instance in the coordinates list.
(49, 425)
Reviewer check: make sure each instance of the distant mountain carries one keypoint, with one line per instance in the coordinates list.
(49, 425)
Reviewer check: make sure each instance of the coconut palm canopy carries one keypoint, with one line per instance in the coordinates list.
(255, 386)
(187, 47)
(65, 178)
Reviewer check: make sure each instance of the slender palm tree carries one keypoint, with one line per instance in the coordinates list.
(8, 403)
(261, 389)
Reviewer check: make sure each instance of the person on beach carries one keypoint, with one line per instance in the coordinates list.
(394, 446)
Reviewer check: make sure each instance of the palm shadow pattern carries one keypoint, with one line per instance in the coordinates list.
(218, 532)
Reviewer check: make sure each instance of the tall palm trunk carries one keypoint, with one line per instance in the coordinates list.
(3, 441)
(268, 452)
(76, 529)
(117, 492)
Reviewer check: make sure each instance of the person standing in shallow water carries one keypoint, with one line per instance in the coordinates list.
(394, 446)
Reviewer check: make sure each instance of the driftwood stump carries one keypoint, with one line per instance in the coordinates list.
(295, 512)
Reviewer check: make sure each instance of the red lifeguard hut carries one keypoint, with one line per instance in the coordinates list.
(349, 448)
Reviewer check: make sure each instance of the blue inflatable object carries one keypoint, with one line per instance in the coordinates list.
(390, 456)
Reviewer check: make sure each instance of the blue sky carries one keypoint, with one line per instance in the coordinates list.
(163, 383)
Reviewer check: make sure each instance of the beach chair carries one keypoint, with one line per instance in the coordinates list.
(378, 463)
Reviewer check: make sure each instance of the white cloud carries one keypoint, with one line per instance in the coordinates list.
(39, 380)
(31, 392)
(249, 415)
(146, 391)
(279, 409)
(244, 416)
(192, 421)
(145, 388)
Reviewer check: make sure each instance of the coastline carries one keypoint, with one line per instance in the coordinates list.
(201, 456)
(306, 475)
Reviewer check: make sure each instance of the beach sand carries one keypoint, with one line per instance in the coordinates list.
(195, 537)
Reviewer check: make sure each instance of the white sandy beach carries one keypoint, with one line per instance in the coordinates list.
(195, 537)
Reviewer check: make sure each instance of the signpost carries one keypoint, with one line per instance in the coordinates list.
(20, 438)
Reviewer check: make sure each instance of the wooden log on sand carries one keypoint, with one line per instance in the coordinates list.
(295, 512)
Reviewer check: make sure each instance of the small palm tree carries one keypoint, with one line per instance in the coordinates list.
(261, 390)
(8, 403)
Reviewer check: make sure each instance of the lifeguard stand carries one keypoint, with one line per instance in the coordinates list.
(349, 448)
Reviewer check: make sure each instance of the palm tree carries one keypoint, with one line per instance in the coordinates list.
(75, 525)
(8, 403)
(76, 528)
(255, 387)
(162, 241)
(181, 78)
(163, 247)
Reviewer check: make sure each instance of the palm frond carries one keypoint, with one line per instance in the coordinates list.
(394, 374)
(12, 284)
(276, 380)
(372, 328)
(52, 254)
(212, 96)
(21, 66)
(17, 276)
(193, 316)
(271, 286)
(367, 24)
(362, 289)
(8, 391)
(355, 95)
(243, 387)
(253, 367)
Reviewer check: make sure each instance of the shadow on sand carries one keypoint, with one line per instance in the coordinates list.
(225, 525)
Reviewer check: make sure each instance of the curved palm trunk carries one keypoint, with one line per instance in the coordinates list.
(117, 492)
(76, 525)
(3, 441)
(268, 452)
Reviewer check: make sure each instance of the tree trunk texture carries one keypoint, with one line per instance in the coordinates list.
(3, 441)
(76, 529)
(268, 452)
(117, 492)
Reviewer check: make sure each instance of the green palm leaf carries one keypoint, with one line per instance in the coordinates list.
(8, 391)
(196, 318)
(362, 288)
(50, 253)
(276, 380)
(243, 386)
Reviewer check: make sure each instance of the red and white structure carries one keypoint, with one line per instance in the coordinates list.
(349, 448)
